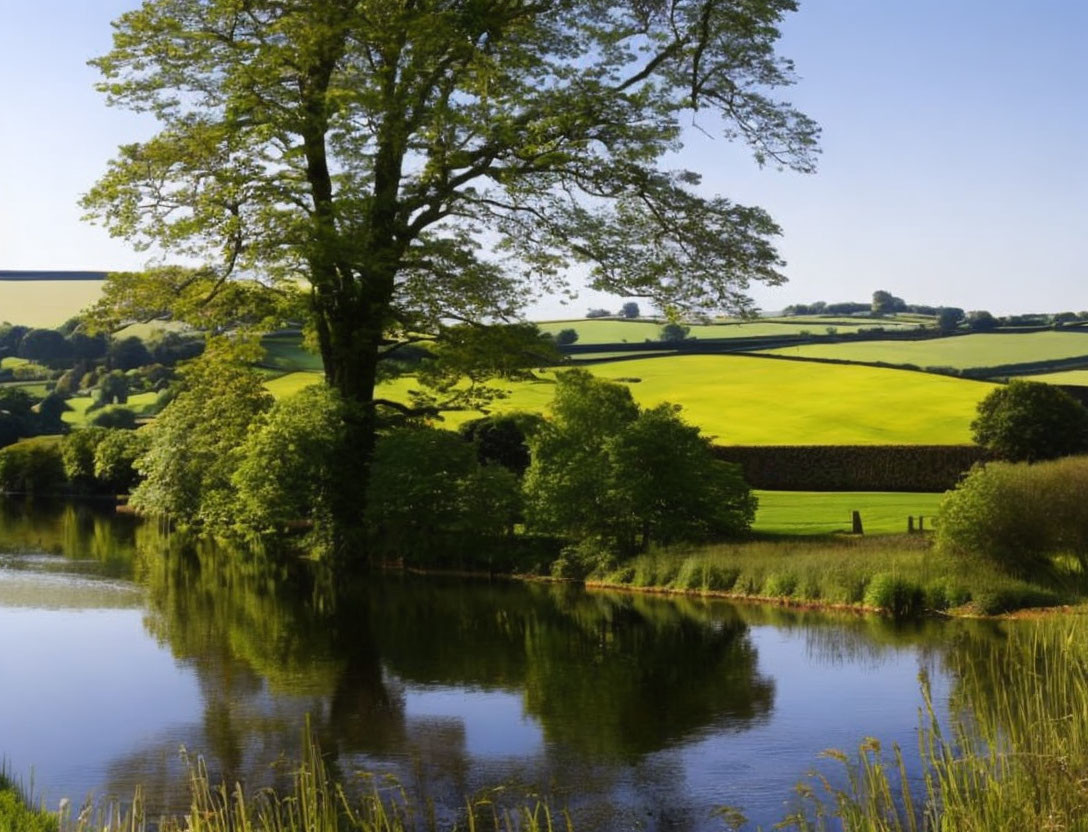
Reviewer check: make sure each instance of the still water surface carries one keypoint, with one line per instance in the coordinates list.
(121, 648)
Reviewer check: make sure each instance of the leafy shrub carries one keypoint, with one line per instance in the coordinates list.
(1019, 515)
(114, 417)
(33, 466)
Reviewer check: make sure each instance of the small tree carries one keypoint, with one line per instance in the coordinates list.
(630, 310)
(948, 318)
(210, 419)
(1030, 421)
(45, 345)
(605, 470)
(981, 321)
(598, 313)
(885, 303)
(566, 336)
(129, 353)
(674, 332)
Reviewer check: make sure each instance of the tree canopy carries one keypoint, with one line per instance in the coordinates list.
(1030, 421)
(387, 168)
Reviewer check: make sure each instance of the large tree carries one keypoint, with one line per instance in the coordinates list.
(412, 163)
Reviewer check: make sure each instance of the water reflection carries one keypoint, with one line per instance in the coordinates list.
(636, 711)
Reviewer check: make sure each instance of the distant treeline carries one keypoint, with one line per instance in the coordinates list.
(852, 467)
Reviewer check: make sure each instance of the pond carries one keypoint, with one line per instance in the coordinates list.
(635, 712)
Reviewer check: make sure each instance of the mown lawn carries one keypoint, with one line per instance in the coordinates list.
(826, 512)
(960, 352)
(45, 303)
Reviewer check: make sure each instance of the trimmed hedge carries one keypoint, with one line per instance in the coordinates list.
(853, 467)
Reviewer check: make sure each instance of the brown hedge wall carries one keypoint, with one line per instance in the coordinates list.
(852, 467)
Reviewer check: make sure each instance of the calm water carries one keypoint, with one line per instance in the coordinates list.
(120, 648)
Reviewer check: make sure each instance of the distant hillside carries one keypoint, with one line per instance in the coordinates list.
(8, 274)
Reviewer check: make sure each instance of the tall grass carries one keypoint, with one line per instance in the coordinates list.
(1015, 756)
(315, 803)
(900, 574)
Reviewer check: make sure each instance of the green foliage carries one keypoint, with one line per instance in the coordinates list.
(1019, 516)
(289, 463)
(17, 417)
(129, 353)
(210, 420)
(115, 459)
(544, 126)
(675, 332)
(114, 416)
(604, 470)
(78, 451)
(885, 303)
(113, 388)
(44, 345)
(503, 439)
(33, 466)
(630, 310)
(566, 336)
(17, 816)
(427, 490)
(895, 594)
(1031, 421)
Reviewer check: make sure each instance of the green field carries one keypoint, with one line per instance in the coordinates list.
(960, 352)
(1075, 378)
(610, 331)
(826, 512)
(743, 400)
(286, 353)
(45, 303)
(139, 403)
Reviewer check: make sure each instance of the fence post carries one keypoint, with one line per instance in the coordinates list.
(910, 524)
(857, 523)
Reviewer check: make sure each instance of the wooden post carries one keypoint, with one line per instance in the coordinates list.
(857, 523)
(921, 523)
(910, 524)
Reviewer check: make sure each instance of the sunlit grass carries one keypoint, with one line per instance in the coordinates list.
(900, 574)
(825, 512)
(960, 352)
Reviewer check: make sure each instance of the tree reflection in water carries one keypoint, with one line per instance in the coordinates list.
(610, 680)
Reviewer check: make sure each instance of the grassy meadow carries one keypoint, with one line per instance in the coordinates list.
(140, 403)
(45, 303)
(744, 400)
(1074, 378)
(960, 352)
(616, 330)
(828, 512)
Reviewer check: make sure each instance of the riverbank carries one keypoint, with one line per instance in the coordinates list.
(901, 575)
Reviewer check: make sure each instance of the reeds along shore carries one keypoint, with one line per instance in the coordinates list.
(902, 575)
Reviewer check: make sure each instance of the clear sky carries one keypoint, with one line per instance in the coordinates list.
(954, 167)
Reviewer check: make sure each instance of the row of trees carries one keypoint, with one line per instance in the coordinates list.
(629, 310)
(601, 472)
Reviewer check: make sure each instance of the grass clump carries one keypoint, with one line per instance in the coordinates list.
(901, 575)
(16, 813)
(1014, 756)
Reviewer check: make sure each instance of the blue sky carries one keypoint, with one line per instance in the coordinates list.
(953, 172)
